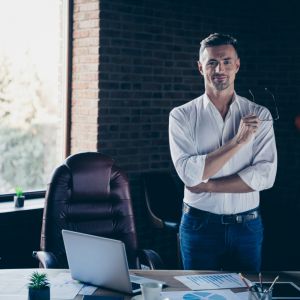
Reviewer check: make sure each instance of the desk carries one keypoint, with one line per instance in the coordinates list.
(165, 275)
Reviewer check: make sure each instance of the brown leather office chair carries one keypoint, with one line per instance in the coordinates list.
(88, 193)
(163, 203)
(163, 200)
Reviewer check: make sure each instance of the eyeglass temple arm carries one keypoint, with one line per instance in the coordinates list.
(250, 92)
(275, 104)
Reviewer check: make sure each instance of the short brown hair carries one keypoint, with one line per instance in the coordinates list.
(217, 39)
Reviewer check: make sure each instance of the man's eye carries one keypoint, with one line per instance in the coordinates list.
(227, 62)
(213, 63)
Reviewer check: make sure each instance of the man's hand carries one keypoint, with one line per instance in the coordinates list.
(199, 188)
(248, 127)
(228, 184)
(217, 159)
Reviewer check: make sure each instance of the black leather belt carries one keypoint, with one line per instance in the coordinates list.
(223, 219)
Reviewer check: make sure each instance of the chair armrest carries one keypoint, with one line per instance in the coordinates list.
(47, 259)
(149, 259)
(174, 226)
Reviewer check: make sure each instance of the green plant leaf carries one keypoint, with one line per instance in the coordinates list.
(38, 280)
(19, 191)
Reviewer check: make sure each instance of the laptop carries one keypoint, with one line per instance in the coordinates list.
(101, 262)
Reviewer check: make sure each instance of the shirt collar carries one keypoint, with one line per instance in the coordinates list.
(235, 100)
(206, 100)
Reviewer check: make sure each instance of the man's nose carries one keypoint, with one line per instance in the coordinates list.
(219, 67)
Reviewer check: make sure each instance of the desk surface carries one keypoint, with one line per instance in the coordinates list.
(165, 275)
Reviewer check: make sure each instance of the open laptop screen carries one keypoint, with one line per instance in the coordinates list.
(98, 261)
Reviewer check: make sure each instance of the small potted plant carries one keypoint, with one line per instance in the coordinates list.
(38, 287)
(19, 197)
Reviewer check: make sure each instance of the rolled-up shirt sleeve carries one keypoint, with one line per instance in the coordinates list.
(188, 163)
(260, 175)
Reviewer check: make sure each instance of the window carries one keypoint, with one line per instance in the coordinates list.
(31, 92)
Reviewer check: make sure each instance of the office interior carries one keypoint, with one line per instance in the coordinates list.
(143, 62)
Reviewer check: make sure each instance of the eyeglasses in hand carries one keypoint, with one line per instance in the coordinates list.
(276, 117)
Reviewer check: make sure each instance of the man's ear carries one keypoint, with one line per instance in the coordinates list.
(200, 68)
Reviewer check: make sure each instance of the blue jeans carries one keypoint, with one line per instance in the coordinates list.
(207, 245)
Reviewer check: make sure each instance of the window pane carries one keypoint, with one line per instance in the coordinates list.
(30, 97)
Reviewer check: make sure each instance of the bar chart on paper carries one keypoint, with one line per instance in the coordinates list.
(212, 281)
(202, 295)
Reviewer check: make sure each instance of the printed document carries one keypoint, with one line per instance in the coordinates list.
(212, 281)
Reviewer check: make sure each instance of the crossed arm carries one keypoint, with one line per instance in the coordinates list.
(228, 184)
(206, 166)
(217, 159)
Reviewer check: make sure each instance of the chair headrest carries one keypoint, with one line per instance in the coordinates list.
(91, 173)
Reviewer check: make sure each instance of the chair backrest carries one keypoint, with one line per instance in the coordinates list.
(88, 193)
(163, 199)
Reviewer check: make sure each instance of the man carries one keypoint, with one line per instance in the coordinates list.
(223, 149)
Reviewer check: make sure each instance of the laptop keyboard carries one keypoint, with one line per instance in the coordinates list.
(135, 286)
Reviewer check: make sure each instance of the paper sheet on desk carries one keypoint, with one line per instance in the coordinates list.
(212, 281)
(64, 287)
(72, 285)
(87, 290)
(194, 295)
(243, 295)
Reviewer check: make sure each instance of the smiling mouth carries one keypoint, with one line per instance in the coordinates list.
(219, 78)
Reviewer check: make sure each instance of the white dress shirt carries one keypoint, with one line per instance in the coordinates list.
(197, 128)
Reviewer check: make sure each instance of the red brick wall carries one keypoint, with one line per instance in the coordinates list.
(85, 76)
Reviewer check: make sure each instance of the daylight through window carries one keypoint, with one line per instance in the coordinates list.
(31, 131)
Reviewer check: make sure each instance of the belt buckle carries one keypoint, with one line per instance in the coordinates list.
(252, 216)
(231, 219)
